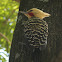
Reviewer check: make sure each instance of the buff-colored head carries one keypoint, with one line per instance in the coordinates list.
(34, 12)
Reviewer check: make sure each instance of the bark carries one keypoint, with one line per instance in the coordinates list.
(20, 52)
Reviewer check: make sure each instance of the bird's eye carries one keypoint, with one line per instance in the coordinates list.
(30, 10)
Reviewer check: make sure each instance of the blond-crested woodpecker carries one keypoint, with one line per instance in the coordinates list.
(35, 28)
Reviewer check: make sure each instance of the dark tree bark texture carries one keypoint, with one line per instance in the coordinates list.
(21, 52)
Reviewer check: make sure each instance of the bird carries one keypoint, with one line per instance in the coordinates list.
(35, 28)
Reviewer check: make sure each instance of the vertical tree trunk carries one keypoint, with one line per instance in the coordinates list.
(20, 52)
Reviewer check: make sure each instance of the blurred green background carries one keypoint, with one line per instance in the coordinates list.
(8, 18)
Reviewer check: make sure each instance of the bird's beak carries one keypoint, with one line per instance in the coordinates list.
(23, 12)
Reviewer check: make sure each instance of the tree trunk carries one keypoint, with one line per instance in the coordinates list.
(21, 52)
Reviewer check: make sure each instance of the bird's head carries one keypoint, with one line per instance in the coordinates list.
(34, 12)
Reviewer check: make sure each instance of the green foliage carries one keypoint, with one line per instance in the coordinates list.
(2, 58)
(8, 17)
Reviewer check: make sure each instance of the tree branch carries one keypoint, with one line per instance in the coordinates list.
(5, 38)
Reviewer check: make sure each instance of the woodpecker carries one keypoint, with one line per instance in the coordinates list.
(35, 28)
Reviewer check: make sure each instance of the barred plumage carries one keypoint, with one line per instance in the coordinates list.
(36, 31)
(35, 28)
